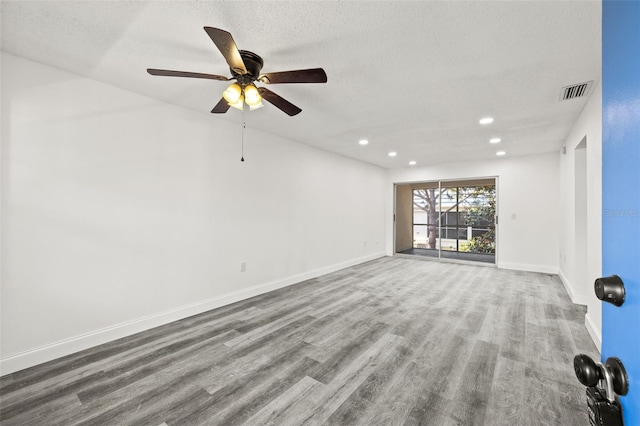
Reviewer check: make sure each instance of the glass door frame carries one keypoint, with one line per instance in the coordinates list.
(441, 185)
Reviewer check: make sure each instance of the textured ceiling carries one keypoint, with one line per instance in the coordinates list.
(412, 77)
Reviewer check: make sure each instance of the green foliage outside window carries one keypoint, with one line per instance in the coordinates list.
(481, 213)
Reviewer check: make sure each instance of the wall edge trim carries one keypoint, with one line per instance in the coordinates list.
(567, 286)
(544, 269)
(595, 334)
(40, 355)
(577, 299)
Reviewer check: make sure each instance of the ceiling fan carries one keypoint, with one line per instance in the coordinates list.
(245, 69)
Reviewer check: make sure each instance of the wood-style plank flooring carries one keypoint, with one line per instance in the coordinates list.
(390, 342)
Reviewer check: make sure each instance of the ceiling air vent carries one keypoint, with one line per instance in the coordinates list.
(575, 91)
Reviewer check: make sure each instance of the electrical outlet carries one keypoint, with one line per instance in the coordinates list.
(243, 266)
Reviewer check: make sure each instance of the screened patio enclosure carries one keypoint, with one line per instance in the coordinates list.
(453, 219)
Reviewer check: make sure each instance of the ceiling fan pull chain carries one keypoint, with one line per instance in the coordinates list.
(243, 126)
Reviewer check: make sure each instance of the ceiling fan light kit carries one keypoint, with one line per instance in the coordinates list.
(252, 96)
(239, 104)
(236, 96)
(232, 94)
(245, 68)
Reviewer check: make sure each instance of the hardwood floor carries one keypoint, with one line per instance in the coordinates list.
(390, 342)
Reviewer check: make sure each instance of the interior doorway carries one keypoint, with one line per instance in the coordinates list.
(453, 219)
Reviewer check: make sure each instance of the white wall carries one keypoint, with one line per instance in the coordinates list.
(120, 213)
(579, 283)
(528, 227)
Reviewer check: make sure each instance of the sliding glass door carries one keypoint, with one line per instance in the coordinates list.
(426, 218)
(476, 209)
(454, 219)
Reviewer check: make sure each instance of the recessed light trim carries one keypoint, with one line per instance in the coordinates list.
(393, 154)
(486, 120)
(412, 163)
(363, 142)
(495, 140)
(501, 153)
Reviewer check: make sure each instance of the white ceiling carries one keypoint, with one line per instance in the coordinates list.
(412, 77)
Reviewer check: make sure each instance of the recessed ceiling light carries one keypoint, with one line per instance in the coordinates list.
(486, 120)
(412, 163)
(495, 140)
(500, 153)
(392, 154)
(363, 142)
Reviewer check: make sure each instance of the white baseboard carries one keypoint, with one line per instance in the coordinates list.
(65, 347)
(588, 323)
(544, 269)
(595, 334)
(578, 299)
(567, 286)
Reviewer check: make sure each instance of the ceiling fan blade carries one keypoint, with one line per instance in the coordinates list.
(312, 75)
(169, 73)
(224, 41)
(221, 107)
(286, 106)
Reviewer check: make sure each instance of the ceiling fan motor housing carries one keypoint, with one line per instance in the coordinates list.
(253, 63)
